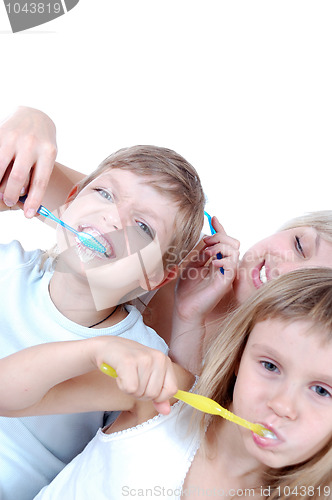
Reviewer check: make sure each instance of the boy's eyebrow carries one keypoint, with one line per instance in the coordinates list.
(154, 215)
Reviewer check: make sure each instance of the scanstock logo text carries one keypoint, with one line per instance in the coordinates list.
(24, 15)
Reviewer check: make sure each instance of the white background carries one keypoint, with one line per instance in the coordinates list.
(242, 89)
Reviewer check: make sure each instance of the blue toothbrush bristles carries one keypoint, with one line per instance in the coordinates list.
(90, 241)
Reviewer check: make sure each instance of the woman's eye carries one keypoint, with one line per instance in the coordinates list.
(271, 367)
(105, 194)
(318, 389)
(298, 246)
(145, 228)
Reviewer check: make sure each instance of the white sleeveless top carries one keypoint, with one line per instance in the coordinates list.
(150, 460)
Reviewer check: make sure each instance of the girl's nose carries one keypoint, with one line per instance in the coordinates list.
(284, 404)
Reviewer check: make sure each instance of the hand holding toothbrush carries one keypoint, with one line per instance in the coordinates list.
(27, 154)
(64, 377)
(201, 285)
(200, 288)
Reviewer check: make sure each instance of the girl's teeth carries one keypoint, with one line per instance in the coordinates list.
(262, 274)
(269, 434)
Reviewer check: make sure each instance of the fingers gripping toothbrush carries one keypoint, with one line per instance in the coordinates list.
(213, 231)
(85, 238)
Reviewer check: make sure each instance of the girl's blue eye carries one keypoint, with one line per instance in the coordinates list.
(298, 246)
(105, 194)
(146, 229)
(318, 389)
(271, 367)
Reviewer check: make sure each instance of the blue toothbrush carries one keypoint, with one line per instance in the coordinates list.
(213, 231)
(85, 238)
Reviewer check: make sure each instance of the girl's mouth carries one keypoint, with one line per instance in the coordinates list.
(267, 442)
(260, 274)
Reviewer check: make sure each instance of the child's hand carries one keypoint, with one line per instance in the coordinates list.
(144, 373)
(202, 285)
(27, 155)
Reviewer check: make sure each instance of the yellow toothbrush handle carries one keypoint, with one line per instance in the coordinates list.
(204, 404)
(207, 405)
(108, 370)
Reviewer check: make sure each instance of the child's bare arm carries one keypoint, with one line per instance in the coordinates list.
(27, 162)
(63, 377)
(199, 290)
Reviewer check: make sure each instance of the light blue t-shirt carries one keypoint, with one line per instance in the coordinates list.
(33, 450)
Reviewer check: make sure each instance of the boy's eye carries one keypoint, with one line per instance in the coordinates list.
(271, 367)
(318, 389)
(104, 193)
(146, 229)
(298, 246)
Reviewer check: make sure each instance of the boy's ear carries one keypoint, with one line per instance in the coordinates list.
(72, 194)
(169, 275)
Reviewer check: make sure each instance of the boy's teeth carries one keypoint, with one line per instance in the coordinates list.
(99, 237)
(85, 254)
(262, 274)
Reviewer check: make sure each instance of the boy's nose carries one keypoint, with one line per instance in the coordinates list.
(113, 218)
(284, 403)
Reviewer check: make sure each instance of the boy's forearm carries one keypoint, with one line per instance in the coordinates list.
(64, 377)
(29, 374)
(62, 181)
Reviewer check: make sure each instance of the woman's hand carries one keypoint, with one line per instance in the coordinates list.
(202, 285)
(27, 154)
(200, 288)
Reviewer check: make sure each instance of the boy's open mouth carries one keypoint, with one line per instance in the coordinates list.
(86, 254)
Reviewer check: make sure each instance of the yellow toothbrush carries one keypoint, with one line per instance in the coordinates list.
(206, 405)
